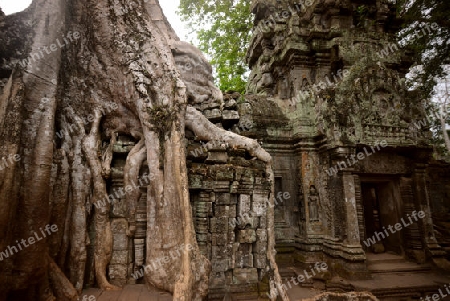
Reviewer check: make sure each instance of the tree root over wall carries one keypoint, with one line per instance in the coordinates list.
(66, 146)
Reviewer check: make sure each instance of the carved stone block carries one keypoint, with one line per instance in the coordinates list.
(229, 115)
(220, 265)
(247, 236)
(119, 208)
(213, 114)
(233, 210)
(219, 225)
(201, 209)
(263, 221)
(208, 185)
(195, 181)
(219, 239)
(259, 205)
(201, 225)
(139, 246)
(204, 246)
(261, 235)
(246, 188)
(223, 211)
(118, 274)
(245, 275)
(260, 247)
(259, 261)
(231, 236)
(244, 260)
(224, 174)
(119, 257)
(204, 196)
(223, 199)
(202, 237)
(221, 186)
(217, 279)
(234, 187)
(120, 242)
(244, 203)
(217, 157)
(230, 104)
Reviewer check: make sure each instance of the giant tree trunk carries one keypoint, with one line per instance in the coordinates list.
(58, 111)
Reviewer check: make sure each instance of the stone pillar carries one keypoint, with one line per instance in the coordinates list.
(141, 231)
(412, 235)
(352, 227)
(422, 203)
(119, 264)
(118, 267)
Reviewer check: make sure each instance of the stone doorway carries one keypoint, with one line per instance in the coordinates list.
(380, 208)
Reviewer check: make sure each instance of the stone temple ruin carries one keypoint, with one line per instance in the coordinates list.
(326, 98)
(326, 89)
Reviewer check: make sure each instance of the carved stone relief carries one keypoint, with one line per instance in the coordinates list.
(313, 204)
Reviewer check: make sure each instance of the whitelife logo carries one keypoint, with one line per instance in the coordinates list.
(120, 193)
(157, 263)
(301, 278)
(361, 156)
(325, 83)
(436, 297)
(4, 161)
(36, 56)
(378, 236)
(244, 218)
(86, 120)
(11, 250)
(394, 47)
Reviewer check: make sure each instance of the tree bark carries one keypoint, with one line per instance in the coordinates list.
(118, 43)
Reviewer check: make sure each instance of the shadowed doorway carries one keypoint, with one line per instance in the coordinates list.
(380, 212)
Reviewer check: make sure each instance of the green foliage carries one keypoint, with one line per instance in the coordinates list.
(426, 30)
(432, 50)
(361, 14)
(223, 29)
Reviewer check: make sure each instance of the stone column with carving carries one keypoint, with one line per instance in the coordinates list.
(433, 249)
(313, 204)
(141, 228)
(352, 229)
(118, 267)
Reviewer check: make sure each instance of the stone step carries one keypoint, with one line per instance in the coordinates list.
(402, 286)
(299, 271)
(393, 263)
(287, 273)
(134, 292)
(245, 298)
(398, 267)
(384, 257)
(390, 260)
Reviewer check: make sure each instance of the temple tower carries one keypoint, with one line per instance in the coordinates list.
(348, 149)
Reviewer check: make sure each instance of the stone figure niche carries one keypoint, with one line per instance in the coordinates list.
(313, 204)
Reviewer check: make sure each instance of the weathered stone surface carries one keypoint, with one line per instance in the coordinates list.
(244, 260)
(247, 236)
(229, 115)
(217, 157)
(120, 257)
(223, 199)
(260, 247)
(353, 296)
(244, 205)
(260, 261)
(307, 134)
(259, 204)
(221, 265)
(219, 224)
(245, 275)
